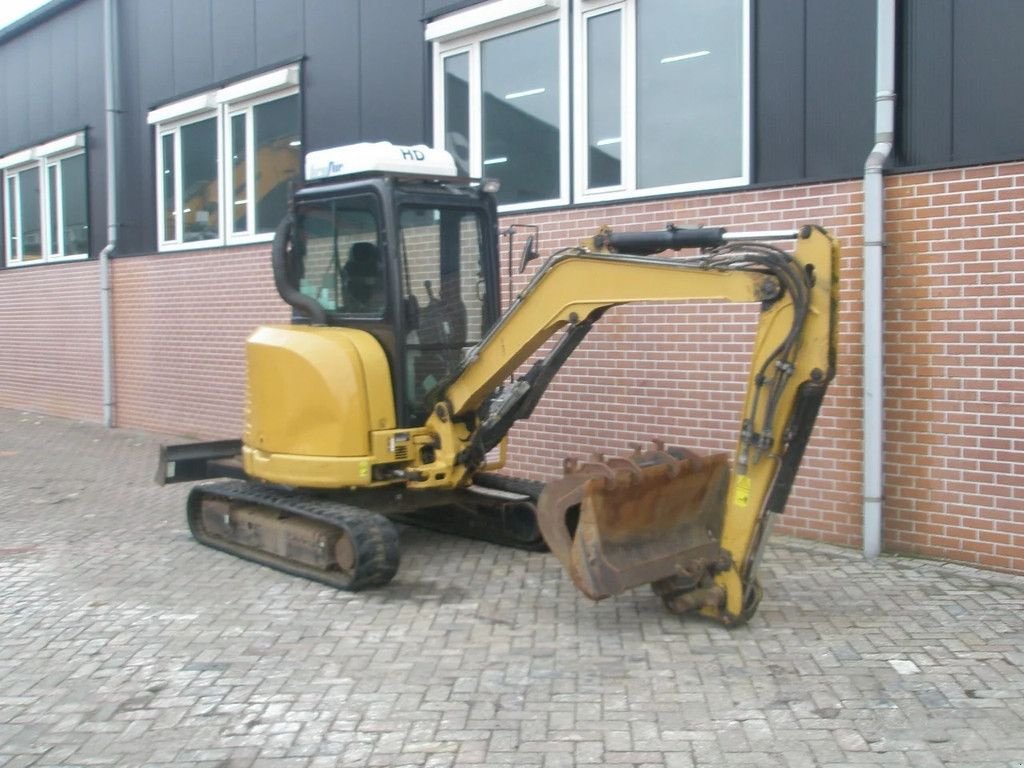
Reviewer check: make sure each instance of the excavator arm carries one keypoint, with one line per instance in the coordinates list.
(692, 526)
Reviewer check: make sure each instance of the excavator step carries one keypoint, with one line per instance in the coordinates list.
(339, 545)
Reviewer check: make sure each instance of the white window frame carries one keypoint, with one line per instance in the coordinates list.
(628, 188)
(174, 129)
(465, 32)
(581, 102)
(40, 158)
(237, 98)
(248, 108)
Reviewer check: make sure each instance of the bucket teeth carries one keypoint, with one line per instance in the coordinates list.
(616, 523)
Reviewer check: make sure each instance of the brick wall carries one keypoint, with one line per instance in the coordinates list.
(180, 325)
(678, 371)
(50, 356)
(954, 366)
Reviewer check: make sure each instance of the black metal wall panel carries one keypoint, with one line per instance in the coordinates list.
(364, 73)
(135, 193)
(41, 110)
(331, 73)
(840, 87)
(51, 85)
(279, 28)
(147, 77)
(193, 44)
(962, 72)
(432, 8)
(65, 78)
(15, 66)
(392, 73)
(778, 105)
(366, 77)
(234, 38)
(988, 80)
(151, 69)
(924, 97)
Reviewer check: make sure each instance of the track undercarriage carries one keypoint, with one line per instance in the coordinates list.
(347, 540)
(654, 517)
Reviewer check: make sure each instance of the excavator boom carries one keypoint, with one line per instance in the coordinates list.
(662, 516)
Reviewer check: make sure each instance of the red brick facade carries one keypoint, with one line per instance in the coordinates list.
(954, 365)
(50, 340)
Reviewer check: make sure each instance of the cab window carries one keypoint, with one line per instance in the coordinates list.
(343, 264)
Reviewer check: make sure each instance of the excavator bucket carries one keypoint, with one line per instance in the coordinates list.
(655, 516)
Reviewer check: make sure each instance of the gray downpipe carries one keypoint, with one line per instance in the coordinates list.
(113, 108)
(874, 242)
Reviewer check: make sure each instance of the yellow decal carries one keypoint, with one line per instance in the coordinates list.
(742, 496)
(364, 469)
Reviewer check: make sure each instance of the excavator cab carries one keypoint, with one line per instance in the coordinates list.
(405, 257)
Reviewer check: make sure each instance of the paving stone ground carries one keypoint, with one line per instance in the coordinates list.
(122, 642)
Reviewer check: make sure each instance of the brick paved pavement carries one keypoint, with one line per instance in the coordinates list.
(124, 643)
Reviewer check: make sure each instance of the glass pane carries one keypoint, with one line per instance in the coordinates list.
(456, 109)
(693, 50)
(604, 100)
(73, 200)
(342, 267)
(31, 227)
(200, 197)
(167, 165)
(521, 121)
(441, 250)
(54, 228)
(239, 172)
(11, 213)
(278, 157)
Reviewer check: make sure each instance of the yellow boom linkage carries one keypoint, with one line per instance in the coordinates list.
(688, 524)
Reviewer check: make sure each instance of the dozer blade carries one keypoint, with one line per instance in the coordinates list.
(619, 523)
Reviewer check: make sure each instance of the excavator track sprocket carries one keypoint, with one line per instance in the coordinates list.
(335, 544)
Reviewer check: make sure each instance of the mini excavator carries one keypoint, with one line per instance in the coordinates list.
(391, 393)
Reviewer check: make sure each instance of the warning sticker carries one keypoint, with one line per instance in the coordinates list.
(364, 469)
(741, 497)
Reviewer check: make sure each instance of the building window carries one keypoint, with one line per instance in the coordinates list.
(502, 112)
(224, 161)
(660, 96)
(45, 203)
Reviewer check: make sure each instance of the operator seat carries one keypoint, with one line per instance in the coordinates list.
(363, 280)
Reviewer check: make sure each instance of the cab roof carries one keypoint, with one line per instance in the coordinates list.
(380, 159)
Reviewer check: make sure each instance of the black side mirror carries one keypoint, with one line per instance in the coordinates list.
(529, 253)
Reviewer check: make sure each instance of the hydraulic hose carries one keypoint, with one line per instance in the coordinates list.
(285, 281)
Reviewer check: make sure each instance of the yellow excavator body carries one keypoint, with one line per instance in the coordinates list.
(394, 393)
(319, 408)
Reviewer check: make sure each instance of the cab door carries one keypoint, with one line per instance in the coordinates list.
(447, 290)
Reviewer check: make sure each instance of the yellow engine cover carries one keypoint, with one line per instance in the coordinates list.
(314, 396)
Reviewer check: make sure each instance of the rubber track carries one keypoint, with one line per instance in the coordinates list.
(375, 537)
(456, 521)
